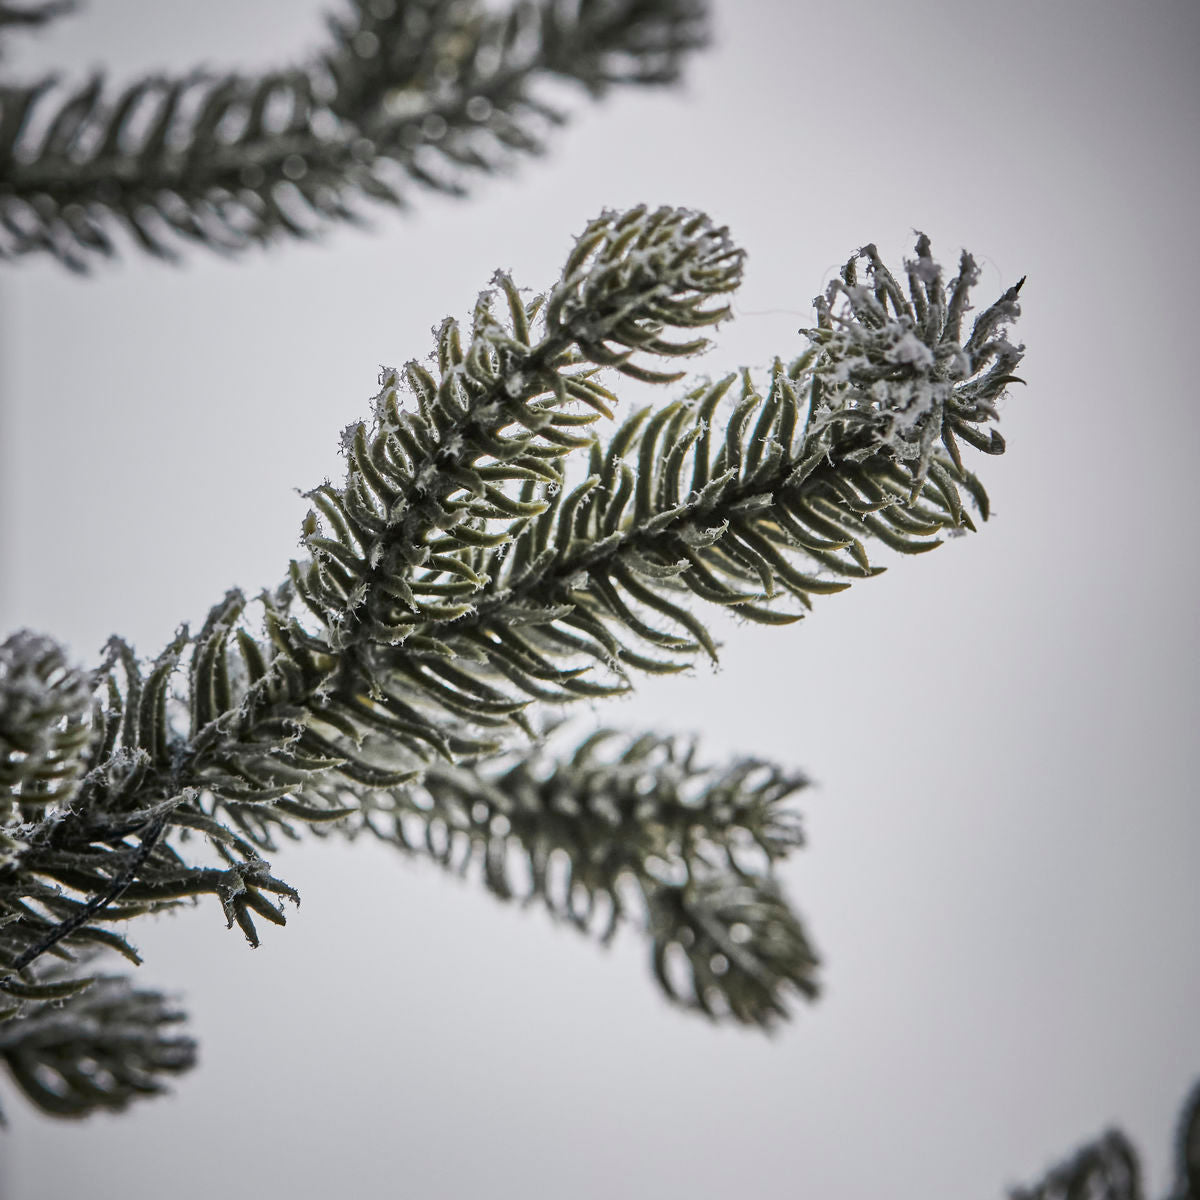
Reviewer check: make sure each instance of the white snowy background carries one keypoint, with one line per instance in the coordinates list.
(1002, 864)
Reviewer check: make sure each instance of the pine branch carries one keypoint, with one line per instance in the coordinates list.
(631, 827)
(458, 579)
(473, 567)
(629, 276)
(1104, 1170)
(1108, 1168)
(88, 790)
(428, 93)
(99, 1049)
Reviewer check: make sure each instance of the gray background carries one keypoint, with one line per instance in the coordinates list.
(1001, 870)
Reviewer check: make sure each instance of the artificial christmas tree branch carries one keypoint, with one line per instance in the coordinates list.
(497, 547)
(640, 829)
(493, 550)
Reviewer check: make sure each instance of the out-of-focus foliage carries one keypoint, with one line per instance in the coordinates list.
(406, 94)
(1108, 1168)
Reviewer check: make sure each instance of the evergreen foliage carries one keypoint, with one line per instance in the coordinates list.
(406, 93)
(501, 546)
(635, 824)
(498, 546)
(94, 1049)
(1108, 1168)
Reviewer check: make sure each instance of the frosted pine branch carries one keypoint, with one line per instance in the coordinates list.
(630, 828)
(426, 94)
(503, 543)
(97, 1050)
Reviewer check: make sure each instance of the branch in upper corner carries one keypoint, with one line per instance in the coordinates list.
(428, 93)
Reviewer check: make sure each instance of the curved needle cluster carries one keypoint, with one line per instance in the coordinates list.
(95, 1049)
(637, 824)
(500, 543)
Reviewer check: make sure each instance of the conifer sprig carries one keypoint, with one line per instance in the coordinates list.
(506, 401)
(99, 1049)
(539, 587)
(424, 93)
(502, 543)
(634, 828)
